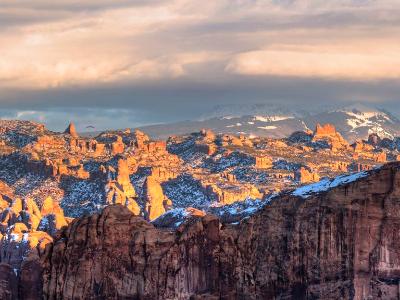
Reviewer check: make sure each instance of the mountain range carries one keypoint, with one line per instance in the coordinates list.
(354, 121)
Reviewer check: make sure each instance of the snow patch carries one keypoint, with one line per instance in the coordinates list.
(268, 127)
(272, 118)
(326, 184)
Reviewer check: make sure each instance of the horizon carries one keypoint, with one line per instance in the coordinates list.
(250, 112)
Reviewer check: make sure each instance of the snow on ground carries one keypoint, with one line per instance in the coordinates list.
(272, 118)
(362, 116)
(176, 215)
(240, 210)
(326, 184)
(185, 191)
(267, 127)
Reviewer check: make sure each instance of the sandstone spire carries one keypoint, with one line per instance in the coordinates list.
(155, 201)
(71, 130)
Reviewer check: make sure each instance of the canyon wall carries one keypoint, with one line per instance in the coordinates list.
(339, 244)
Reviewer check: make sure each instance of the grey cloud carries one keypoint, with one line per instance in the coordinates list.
(127, 106)
(75, 6)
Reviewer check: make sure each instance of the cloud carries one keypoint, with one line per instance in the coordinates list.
(47, 44)
(163, 60)
(365, 62)
(87, 119)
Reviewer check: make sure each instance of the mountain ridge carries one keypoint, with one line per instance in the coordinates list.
(354, 122)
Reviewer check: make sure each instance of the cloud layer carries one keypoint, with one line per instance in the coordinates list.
(182, 52)
(47, 44)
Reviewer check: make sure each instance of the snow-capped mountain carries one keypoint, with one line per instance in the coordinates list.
(358, 121)
(354, 122)
(264, 110)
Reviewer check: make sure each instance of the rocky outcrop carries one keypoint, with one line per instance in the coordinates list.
(119, 189)
(22, 228)
(140, 139)
(20, 210)
(162, 173)
(48, 143)
(118, 146)
(327, 133)
(208, 135)
(374, 139)
(263, 162)
(360, 167)
(156, 203)
(380, 157)
(89, 147)
(228, 194)
(53, 217)
(18, 242)
(362, 147)
(340, 166)
(303, 175)
(71, 130)
(340, 244)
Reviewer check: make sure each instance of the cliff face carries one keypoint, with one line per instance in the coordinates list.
(340, 244)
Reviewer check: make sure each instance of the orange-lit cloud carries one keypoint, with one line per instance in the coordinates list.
(48, 44)
(372, 61)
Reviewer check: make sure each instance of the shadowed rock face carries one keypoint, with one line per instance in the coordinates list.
(8, 283)
(340, 244)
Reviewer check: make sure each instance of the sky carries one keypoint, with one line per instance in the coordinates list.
(119, 63)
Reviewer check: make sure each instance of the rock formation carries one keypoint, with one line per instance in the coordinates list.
(380, 157)
(374, 139)
(53, 217)
(20, 231)
(141, 139)
(232, 193)
(303, 175)
(325, 130)
(362, 147)
(263, 162)
(162, 174)
(227, 175)
(341, 244)
(208, 135)
(71, 130)
(119, 189)
(156, 203)
(329, 134)
(118, 146)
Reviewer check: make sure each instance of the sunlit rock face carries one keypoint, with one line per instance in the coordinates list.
(306, 176)
(156, 203)
(22, 228)
(327, 133)
(48, 178)
(119, 189)
(314, 243)
(71, 130)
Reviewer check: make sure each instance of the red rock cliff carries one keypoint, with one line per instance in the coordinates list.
(341, 244)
